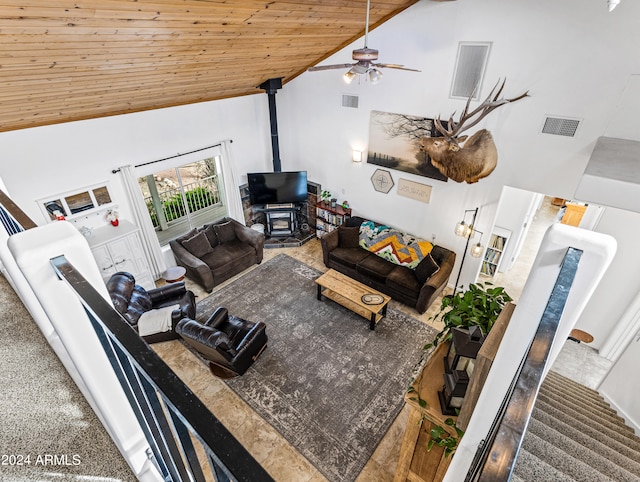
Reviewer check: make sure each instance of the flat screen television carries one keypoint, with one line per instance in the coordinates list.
(277, 187)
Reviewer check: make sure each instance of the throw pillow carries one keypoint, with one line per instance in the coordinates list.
(198, 245)
(426, 269)
(211, 235)
(225, 232)
(188, 235)
(349, 237)
(354, 221)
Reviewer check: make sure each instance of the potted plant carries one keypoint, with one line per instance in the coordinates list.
(479, 305)
(325, 196)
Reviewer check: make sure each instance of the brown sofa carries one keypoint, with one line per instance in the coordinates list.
(417, 287)
(216, 252)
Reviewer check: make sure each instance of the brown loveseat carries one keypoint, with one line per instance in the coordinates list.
(417, 287)
(216, 252)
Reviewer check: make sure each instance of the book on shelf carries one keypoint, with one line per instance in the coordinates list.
(497, 242)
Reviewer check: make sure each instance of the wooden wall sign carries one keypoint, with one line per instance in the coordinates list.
(414, 190)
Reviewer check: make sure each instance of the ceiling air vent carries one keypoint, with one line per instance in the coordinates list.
(560, 126)
(470, 66)
(350, 101)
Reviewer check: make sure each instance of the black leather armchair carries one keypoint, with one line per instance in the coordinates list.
(132, 300)
(231, 344)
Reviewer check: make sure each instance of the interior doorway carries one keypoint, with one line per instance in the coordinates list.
(512, 274)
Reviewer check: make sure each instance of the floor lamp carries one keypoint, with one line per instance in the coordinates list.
(467, 230)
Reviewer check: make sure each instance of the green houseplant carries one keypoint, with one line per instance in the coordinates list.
(325, 196)
(442, 438)
(479, 305)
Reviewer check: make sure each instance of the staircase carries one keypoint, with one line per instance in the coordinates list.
(574, 435)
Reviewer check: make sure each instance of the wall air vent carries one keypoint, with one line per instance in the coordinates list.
(560, 126)
(350, 101)
(470, 66)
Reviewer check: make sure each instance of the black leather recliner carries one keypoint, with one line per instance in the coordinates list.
(132, 300)
(231, 344)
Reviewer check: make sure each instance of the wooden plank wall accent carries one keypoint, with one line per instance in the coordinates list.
(77, 59)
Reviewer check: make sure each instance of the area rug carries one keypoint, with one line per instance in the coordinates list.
(327, 383)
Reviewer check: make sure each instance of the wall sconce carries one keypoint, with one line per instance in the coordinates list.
(612, 4)
(356, 156)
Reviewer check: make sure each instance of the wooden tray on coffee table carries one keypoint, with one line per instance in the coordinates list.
(354, 296)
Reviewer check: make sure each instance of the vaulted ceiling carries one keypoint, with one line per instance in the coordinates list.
(68, 60)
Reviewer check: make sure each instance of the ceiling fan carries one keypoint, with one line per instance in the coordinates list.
(364, 64)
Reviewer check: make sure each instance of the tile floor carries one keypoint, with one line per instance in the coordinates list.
(279, 457)
(267, 446)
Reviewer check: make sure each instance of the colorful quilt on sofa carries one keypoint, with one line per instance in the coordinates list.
(390, 244)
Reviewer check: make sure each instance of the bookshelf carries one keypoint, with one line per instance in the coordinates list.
(495, 251)
(329, 218)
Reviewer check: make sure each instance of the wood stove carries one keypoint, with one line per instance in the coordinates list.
(280, 219)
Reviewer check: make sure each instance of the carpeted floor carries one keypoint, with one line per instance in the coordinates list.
(327, 383)
(47, 429)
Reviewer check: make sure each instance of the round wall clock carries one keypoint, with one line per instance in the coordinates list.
(382, 181)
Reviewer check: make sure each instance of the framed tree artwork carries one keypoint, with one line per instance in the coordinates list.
(394, 143)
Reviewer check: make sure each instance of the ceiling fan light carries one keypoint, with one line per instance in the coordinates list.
(349, 76)
(374, 76)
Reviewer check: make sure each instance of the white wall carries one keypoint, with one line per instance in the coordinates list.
(616, 388)
(574, 57)
(620, 284)
(45, 161)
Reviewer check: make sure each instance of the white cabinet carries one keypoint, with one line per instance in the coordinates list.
(120, 249)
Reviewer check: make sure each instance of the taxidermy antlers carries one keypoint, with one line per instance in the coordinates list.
(479, 156)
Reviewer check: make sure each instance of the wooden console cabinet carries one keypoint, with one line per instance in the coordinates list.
(416, 464)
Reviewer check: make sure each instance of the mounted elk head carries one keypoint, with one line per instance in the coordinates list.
(479, 156)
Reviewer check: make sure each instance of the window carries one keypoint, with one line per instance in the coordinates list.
(74, 203)
(181, 198)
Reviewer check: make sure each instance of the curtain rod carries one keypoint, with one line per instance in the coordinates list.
(115, 171)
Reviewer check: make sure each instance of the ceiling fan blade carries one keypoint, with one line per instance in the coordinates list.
(329, 67)
(396, 66)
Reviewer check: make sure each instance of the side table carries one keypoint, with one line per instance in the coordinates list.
(174, 274)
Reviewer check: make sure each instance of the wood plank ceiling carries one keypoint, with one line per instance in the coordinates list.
(68, 60)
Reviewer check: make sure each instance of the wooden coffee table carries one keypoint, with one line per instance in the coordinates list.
(349, 293)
